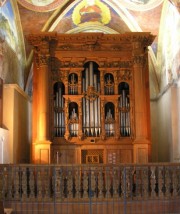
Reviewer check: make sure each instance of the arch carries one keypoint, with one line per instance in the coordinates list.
(108, 84)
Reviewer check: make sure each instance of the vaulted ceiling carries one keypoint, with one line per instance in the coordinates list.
(107, 16)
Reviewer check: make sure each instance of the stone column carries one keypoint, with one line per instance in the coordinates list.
(141, 123)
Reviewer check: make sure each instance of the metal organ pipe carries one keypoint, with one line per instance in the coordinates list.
(59, 113)
(124, 114)
(91, 103)
(91, 108)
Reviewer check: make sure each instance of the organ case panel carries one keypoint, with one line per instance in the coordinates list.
(98, 94)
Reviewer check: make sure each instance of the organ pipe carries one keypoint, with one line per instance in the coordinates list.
(124, 116)
(58, 111)
(91, 121)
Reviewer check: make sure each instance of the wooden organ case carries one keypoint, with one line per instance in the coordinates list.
(91, 98)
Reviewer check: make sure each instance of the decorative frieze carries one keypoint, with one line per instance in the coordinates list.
(140, 60)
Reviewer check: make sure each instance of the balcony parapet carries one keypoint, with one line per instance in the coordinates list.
(83, 182)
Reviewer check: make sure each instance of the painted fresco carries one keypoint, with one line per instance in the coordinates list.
(8, 27)
(169, 43)
(91, 15)
(40, 2)
(41, 5)
(91, 11)
(141, 5)
(12, 63)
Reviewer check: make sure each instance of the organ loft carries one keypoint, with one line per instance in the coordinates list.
(91, 99)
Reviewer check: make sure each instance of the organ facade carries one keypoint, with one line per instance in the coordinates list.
(91, 98)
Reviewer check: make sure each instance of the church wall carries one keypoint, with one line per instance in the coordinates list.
(165, 125)
(17, 119)
(164, 133)
(154, 130)
(175, 151)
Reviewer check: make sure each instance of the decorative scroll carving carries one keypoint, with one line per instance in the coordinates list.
(91, 47)
(140, 60)
(91, 94)
(37, 39)
(71, 64)
(109, 84)
(43, 60)
(125, 74)
(73, 121)
(116, 64)
(90, 38)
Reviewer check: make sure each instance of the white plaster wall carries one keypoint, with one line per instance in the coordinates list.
(154, 131)
(4, 146)
(17, 119)
(164, 129)
(165, 126)
(175, 150)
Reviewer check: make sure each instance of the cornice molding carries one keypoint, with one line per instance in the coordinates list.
(90, 41)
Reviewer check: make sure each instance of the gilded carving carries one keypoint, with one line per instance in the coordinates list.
(91, 94)
(43, 60)
(139, 59)
(117, 64)
(125, 74)
(71, 64)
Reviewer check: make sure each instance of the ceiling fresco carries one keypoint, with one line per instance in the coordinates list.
(107, 16)
(41, 5)
(89, 16)
(8, 27)
(141, 5)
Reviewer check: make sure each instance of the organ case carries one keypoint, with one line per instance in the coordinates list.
(94, 97)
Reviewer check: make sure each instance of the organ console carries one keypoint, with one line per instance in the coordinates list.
(97, 101)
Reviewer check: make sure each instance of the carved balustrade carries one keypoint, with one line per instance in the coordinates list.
(84, 182)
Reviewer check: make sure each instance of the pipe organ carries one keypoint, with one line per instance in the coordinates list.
(91, 100)
(97, 98)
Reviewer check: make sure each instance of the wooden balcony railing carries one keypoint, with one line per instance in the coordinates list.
(81, 182)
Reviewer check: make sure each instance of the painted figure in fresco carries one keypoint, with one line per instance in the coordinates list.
(91, 11)
(41, 2)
